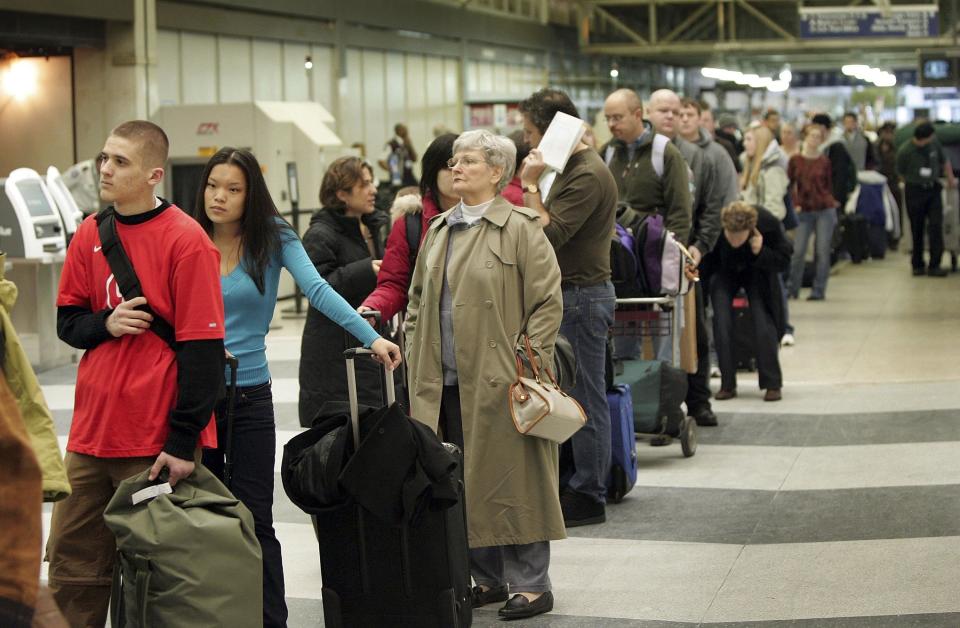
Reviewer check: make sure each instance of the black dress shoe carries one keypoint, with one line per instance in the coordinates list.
(919, 272)
(479, 597)
(519, 607)
(579, 509)
(937, 272)
(704, 417)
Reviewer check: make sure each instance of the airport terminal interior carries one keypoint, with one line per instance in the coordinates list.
(837, 506)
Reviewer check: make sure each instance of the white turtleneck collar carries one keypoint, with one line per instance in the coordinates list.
(473, 213)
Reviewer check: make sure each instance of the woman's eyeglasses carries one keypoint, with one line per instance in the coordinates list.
(466, 161)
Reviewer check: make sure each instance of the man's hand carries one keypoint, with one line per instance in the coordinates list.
(127, 320)
(386, 353)
(178, 467)
(756, 242)
(951, 182)
(376, 266)
(532, 168)
(696, 255)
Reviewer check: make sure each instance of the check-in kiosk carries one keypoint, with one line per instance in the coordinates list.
(30, 225)
(70, 213)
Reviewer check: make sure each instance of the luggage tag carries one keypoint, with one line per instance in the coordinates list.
(926, 172)
(151, 492)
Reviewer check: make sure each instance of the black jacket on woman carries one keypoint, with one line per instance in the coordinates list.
(336, 247)
(774, 258)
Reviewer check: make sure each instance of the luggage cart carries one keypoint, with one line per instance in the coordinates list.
(656, 317)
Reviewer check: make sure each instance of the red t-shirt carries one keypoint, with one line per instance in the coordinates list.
(127, 386)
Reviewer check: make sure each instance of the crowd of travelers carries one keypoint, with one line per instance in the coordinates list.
(477, 256)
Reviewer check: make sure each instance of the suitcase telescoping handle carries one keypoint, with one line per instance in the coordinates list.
(233, 365)
(351, 355)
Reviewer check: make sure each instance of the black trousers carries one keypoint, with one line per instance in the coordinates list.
(925, 208)
(723, 287)
(254, 450)
(698, 384)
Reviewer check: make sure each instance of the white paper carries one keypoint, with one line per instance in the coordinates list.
(545, 183)
(561, 138)
(152, 491)
(926, 172)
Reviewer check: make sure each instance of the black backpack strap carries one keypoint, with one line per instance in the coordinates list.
(414, 231)
(126, 276)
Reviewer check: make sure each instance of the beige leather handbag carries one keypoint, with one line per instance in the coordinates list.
(538, 406)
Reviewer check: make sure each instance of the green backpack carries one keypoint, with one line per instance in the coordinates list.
(184, 558)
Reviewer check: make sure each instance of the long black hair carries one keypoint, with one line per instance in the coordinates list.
(262, 225)
(434, 160)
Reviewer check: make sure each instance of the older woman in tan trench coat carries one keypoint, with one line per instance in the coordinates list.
(485, 275)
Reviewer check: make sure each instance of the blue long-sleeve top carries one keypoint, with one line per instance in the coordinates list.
(247, 313)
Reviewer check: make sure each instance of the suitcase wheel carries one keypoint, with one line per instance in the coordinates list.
(688, 437)
(618, 484)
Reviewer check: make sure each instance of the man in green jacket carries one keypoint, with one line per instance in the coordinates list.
(646, 184)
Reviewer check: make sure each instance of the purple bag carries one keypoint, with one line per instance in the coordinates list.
(624, 269)
(649, 247)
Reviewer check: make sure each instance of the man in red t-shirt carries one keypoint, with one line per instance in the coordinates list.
(139, 403)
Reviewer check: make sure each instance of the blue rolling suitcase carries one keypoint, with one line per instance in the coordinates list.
(623, 457)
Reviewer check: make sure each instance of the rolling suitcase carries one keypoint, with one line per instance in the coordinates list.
(855, 237)
(744, 346)
(623, 467)
(376, 573)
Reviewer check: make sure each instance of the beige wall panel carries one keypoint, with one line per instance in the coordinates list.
(235, 69)
(396, 94)
(485, 84)
(374, 109)
(351, 103)
(473, 73)
(436, 93)
(453, 103)
(296, 86)
(324, 78)
(418, 114)
(90, 93)
(45, 114)
(267, 70)
(199, 73)
(168, 67)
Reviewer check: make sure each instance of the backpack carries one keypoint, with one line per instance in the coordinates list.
(661, 259)
(624, 268)
(656, 156)
(186, 556)
(414, 225)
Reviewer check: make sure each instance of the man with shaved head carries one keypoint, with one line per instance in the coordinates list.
(630, 157)
(144, 397)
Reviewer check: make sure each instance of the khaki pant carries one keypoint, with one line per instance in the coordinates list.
(81, 548)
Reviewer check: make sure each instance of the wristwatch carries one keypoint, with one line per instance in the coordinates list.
(531, 189)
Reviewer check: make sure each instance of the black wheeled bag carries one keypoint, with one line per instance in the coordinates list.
(384, 561)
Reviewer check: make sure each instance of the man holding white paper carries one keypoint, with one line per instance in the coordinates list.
(568, 184)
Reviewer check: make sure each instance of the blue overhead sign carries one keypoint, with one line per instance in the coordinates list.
(920, 20)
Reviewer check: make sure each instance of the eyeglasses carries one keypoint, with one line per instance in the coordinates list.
(615, 119)
(466, 161)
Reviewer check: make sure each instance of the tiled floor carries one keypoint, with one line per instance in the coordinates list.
(839, 506)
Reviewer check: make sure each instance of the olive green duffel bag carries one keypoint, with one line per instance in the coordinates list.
(184, 558)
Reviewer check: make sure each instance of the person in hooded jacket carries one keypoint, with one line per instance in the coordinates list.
(764, 180)
(345, 241)
(436, 196)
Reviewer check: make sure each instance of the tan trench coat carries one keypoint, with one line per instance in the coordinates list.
(501, 273)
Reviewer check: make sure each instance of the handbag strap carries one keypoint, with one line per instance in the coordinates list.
(528, 348)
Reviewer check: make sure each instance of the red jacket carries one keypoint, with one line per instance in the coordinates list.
(514, 192)
(393, 281)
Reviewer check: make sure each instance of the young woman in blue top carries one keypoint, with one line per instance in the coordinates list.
(235, 208)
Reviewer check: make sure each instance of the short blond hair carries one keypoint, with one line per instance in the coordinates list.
(738, 216)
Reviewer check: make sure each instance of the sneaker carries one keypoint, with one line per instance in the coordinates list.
(788, 340)
(579, 509)
(937, 272)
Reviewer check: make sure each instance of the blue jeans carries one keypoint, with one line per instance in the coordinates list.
(587, 316)
(254, 450)
(821, 224)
